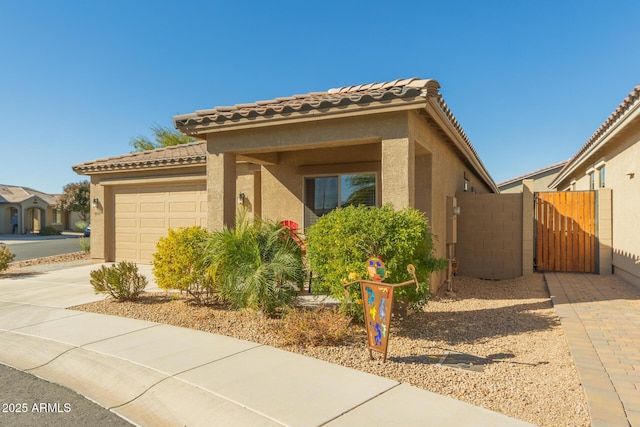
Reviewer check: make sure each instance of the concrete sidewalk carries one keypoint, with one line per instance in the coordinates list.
(154, 374)
(600, 316)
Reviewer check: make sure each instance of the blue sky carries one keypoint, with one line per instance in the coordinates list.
(528, 81)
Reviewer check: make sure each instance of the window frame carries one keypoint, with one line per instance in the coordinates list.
(338, 176)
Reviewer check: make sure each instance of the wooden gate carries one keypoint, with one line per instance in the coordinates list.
(565, 227)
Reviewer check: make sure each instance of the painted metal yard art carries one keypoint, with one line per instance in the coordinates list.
(377, 301)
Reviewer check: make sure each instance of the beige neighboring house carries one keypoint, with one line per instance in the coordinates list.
(33, 209)
(541, 179)
(610, 159)
(293, 158)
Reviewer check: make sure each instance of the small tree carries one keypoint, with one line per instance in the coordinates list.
(163, 137)
(75, 198)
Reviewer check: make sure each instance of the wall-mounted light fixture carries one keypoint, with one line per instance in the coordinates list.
(35, 201)
(96, 203)
(631, 175)
(241, 198)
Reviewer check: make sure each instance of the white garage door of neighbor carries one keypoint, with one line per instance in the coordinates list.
(144, 214)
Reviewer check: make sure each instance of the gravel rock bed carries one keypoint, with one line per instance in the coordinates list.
(495, 344)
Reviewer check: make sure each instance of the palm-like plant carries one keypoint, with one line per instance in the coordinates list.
(255, 265)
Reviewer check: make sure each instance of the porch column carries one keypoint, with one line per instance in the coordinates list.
(221, 190)
(398, 172)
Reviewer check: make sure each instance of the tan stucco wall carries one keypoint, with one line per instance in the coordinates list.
(621, 157)
(282, 184)
(325, 147)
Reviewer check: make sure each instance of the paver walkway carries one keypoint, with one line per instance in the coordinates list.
(600, 316)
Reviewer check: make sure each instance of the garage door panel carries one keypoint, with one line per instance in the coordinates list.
(155, 223)
(144, 214)
(178, 207)
(151, 236)
(125, 236)
(126, 207)
(128, 222)
(183, 222)
(127, 254)
(152, 207)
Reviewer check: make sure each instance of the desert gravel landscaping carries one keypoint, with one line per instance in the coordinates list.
(495, 344)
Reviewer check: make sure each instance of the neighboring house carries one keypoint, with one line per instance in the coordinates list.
(34, 210)
(295, 159)
(541, 179)
(610, 159)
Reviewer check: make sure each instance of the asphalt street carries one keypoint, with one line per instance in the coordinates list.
(26, 400)
(29, 249)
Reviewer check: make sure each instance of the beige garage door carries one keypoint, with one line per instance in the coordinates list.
(144, 214)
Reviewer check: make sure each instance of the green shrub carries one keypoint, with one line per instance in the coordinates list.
(177, 264)
(255, 265)
(314, 327)
(49, 231)
(121, 281)
(339, 244)
(80, 225)
(5, 257)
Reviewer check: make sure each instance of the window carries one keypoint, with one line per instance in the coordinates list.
(57, 216)
(326, 193)
(592, 180)
(602, 175)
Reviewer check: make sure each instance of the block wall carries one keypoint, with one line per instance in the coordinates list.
(490, 228)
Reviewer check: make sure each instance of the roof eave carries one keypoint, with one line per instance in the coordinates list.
(200, 131)
(92, 169)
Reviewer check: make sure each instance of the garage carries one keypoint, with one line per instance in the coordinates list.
(143, 214)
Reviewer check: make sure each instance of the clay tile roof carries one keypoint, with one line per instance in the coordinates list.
(619, 114)
(194, 153)
(364, 96)
(533, 174)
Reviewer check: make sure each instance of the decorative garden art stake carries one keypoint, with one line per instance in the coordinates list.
(377, 301)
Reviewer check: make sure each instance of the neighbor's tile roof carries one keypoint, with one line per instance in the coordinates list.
(334, 100)
(626, 104)
(557, 166)
(16, 194)
(620, 113)
(179, 155)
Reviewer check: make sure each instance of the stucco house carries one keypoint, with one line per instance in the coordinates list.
(541, 179)
(610, 159)
(34, 210)
(293, 158)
